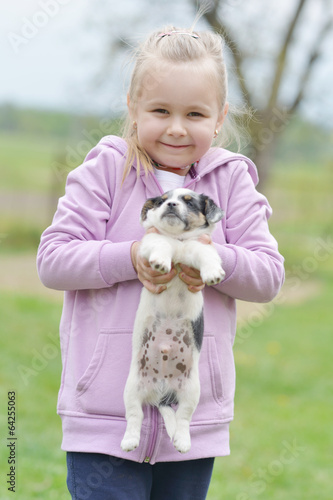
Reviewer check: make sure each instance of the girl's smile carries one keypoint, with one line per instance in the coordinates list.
(177, 117)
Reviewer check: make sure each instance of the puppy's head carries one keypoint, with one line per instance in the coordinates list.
(181, 212)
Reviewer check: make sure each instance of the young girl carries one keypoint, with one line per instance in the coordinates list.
(177, 104)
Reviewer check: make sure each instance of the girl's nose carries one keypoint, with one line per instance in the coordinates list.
(176, 128)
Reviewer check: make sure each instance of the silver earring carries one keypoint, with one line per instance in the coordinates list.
(216, 133)
(135, 126)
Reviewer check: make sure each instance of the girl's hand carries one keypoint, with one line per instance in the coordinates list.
(191, 276)
(153, 280)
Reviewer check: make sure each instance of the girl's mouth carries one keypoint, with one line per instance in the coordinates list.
(175, 146)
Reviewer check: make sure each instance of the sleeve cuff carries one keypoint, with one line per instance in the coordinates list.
(229, 259)
(116, 263)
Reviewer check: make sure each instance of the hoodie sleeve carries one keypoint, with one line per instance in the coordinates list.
(73, 253)
(250, 257)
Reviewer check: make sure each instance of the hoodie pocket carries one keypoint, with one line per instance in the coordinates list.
(211, 388)
(101, 387)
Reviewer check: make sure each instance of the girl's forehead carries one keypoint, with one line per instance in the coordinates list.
(178, 81)
(162, 69)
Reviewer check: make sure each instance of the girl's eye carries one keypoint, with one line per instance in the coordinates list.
(160, 110)
(195, 113)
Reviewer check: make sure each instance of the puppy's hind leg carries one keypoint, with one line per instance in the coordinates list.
(188, 402)
(134, 416)
(182, 438)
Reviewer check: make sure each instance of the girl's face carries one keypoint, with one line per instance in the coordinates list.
(177, 114)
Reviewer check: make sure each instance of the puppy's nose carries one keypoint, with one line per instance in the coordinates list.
(172, 204)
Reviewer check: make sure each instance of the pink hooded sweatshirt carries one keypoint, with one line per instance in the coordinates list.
(86, 253)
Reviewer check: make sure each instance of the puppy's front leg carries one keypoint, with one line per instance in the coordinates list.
(206, 259)
(158, 251)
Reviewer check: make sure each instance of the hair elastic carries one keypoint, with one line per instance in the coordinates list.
(169, 33)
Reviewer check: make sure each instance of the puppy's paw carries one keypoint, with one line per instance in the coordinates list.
(182, 441)
(160, 264)
(130, 442)
(212, 275)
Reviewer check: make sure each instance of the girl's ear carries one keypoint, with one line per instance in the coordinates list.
(222, 116)
(129, 106)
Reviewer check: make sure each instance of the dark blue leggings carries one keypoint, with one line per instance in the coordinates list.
(101, 477)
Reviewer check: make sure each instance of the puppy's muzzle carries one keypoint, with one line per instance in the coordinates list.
(172, 210)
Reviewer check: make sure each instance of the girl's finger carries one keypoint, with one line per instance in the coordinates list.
(190, 271)
(195, 289)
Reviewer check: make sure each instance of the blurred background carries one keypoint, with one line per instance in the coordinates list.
(65, 67)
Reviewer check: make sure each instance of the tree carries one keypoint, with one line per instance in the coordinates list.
(272, 37)
(273, 114)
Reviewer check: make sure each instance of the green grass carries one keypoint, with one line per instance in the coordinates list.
(30, 366)
(25, 161)
(283, 402)
(39, 157)
(302, 204)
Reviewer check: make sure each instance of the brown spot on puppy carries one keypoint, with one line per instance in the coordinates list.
(145, 336)
(143, 362)
(187, 339)
(181, 367)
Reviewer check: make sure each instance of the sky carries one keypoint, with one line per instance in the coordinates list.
(52, 51)
(47, 54)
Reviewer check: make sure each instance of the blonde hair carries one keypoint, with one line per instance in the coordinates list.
(174, 45)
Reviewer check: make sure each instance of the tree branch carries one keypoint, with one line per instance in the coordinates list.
(212, 16)
(315, 53)
(281, 60)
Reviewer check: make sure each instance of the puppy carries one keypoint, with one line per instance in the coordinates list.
(168, 328)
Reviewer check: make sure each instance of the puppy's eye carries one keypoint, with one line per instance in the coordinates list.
(189, 201)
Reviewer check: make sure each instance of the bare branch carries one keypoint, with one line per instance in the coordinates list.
(212, 16)
(281, 60)
(315, 53)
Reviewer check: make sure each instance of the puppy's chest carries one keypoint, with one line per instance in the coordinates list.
(166, 351)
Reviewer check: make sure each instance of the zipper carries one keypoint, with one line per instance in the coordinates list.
(195, 177)
(154, 431)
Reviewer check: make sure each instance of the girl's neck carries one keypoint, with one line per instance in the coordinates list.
(175, 170)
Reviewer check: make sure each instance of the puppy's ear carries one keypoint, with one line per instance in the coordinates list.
(150, 203)
(212, 212)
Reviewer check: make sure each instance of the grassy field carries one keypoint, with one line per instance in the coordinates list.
(281, 437)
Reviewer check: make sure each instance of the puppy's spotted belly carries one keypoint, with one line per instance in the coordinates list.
(165, 359)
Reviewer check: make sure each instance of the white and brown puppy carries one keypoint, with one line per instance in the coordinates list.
(168, 328)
